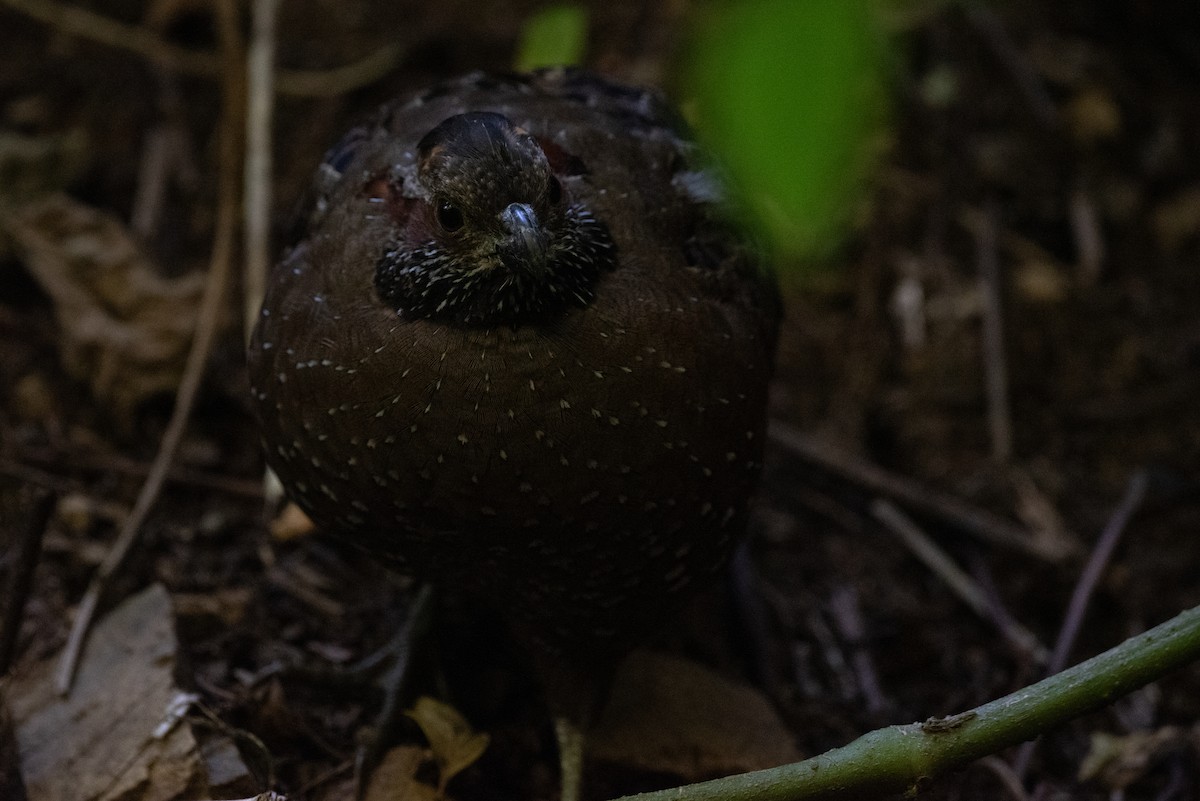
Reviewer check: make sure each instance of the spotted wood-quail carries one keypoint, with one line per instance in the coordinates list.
(517, 348)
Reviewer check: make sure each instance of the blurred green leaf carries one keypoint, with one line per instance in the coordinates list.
(555, 35)
(789, 94)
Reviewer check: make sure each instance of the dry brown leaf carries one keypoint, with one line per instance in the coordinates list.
(107, 739)
(395, 778)
(1119, 761)
(1041, 281)
(125, 329)
(224, 607)
(1093, 115)
(1037, 511)
(291, 523)
(670, 715)
(1177, 219)
(454, 743)
(33, 165)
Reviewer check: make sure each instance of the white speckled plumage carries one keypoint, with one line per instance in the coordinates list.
(576, 469)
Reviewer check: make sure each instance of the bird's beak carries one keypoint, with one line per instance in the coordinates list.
(526, 245)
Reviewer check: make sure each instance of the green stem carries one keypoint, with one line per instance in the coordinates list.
(898, 759)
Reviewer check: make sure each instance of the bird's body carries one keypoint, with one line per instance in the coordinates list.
(517, 349)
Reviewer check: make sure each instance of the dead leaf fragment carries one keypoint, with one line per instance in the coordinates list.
(454, 743)
(107, 741)
(395, 778)
(290, 524)
(1119, 761)
(33, 165)
(670, 715)
(1177, 219)
(125, 328)
(1041, 282)
(1093, 115)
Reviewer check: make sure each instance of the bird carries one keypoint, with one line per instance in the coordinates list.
(518, 345)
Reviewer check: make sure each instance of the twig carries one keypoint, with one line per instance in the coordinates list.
(831, 651)
(995, 363)
(959, 582)
(1089, 239)
(988, 23)
(981, 574)
(898, 759)
(162, 152)
(1097, 562)
(206, 330)
(256, 180)
(878, 481)
(1001, 770)
(99, 28)
(843, 605)
(32, 475)
(339, 80)
(74, 460)
(304, 83)
(21, 569)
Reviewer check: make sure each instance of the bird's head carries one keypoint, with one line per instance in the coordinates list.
(493, 237)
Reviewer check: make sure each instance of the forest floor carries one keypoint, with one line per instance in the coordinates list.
(1013, 325)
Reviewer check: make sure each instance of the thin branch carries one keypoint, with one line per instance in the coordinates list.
(1097, 562)
(135, 39)
(206, 331)
(875, 480)
(86, 24)
(843, 606)
(256, 180)
(339, 80)
(988, 23)
(957, 579)
(899, 759)
(995, 362)
(1004, 773)
(72, 460)
(1089, 236)
(21, 569)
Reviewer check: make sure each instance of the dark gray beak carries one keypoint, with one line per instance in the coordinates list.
(526, 245)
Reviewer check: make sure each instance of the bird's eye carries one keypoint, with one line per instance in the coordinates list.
(554, 190)
(449, 216)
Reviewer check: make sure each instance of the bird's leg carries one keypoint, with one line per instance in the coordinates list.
(571, 740)
(574, 692)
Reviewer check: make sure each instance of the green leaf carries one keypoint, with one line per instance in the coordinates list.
(555, 35)
(789, 94)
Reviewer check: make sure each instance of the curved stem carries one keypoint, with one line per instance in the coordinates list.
(901, 758)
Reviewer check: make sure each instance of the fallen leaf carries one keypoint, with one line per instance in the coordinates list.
(1177, 219)
(454, 743)
(669, 715)
(1118, 761)
(395, 778)
(118, 734)
(1041, 281)
(33, 165)
(126, 329)
(290, 524)
(1093, 115)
